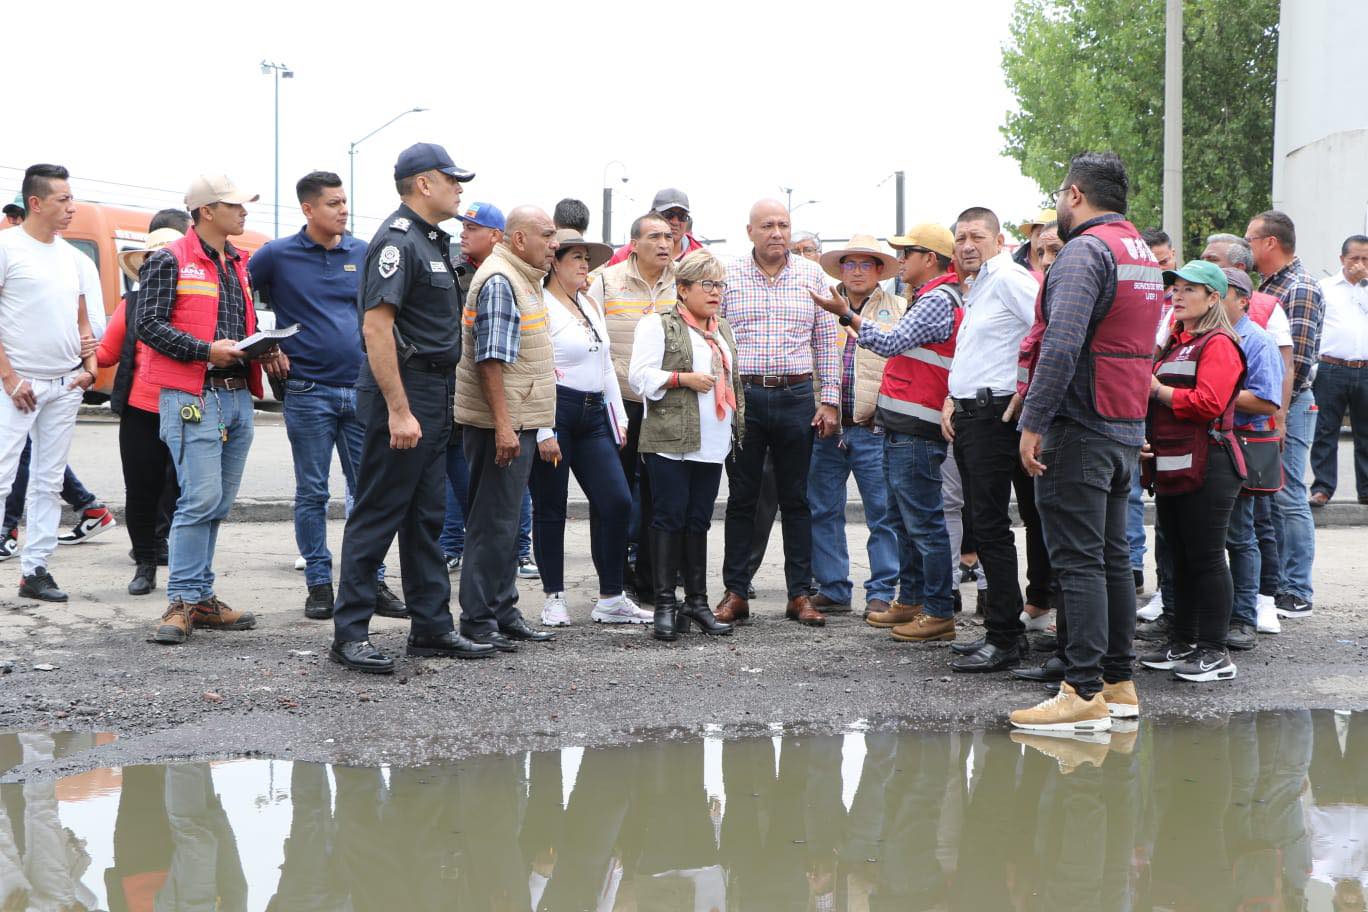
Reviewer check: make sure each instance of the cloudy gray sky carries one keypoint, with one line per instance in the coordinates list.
(727, 100)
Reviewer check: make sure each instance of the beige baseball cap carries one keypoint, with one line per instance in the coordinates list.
(208, 189)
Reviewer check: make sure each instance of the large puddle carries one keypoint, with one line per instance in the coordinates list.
(1256, 812)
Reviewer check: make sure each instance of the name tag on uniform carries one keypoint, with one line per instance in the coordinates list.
(438, 266)
(349, 267)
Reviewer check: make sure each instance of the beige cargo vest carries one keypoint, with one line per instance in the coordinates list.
(530, 381)
(626, 299)
(885, 310)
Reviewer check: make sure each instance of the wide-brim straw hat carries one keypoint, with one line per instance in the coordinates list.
(598, 253)
(1043, 218)
(861, 245)
(130, 261)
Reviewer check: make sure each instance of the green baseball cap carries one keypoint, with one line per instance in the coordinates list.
(1200, 272)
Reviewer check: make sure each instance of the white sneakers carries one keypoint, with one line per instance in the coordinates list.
(1151, 609)
(620, 610)
(554, 613)
(1038, 624)
(1267, 621)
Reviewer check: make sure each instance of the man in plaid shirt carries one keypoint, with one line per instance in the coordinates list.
(780, 333)
(1273, 240)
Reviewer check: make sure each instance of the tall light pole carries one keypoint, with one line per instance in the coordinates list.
(351, 158)
(792, 209)
(788, 194)
(608, 200)
(280, 71)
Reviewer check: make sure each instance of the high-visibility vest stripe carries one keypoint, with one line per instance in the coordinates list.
(912, 409)
(926, 356)
(1173, 463)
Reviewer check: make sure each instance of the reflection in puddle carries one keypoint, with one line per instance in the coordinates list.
(1263, 811)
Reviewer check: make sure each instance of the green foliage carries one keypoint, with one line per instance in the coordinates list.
(1089, 74)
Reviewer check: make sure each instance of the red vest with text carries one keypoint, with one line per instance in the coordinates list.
(1261, 308)
(1182, 448)
(195, 311)
(1120, 349)
(916, 382)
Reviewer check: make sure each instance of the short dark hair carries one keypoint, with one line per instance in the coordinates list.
(1352, 239)
(1101, 177)
(650, 216)
(38, 181)
(1154, 237)
(942, 260)
(176, 219)
(571, 213)
(404, 185)
(312, 185)
(1278, 224)
(980, 214)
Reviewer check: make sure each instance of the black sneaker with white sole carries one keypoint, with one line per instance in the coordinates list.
(1206, 665)
(9, 544)
(1171, 656)
(1291, 606)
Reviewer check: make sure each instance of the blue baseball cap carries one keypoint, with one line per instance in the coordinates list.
(486, 215)
(421, 157)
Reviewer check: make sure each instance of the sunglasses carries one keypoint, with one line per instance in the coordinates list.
(676, 215)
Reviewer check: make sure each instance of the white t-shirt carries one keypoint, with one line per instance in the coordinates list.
(40, 289)
(94, 294)
(646, 377)
(583, 361)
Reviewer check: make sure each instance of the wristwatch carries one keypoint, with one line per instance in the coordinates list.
(844, 319)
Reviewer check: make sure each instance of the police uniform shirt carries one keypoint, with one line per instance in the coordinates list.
(408, 265)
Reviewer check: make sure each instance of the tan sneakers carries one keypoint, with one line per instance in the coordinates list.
(924, 629)
(1121, 700)
(1071, 750)
(1066, 711)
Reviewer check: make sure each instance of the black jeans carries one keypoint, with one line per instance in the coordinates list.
(1195, 526)
(587, 449)
(987, 453)
(1039, 577)
(1340, 389)
(778, 422)
(489, 575)
(685, 493)
(1083, 498)
(399, 492)
(1267, 535)
(150, 487)
(639, 486)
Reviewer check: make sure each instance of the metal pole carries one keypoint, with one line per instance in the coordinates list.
(1173, 124)
(351, 188)
(277, 152)
(899, 215)
(607, 214)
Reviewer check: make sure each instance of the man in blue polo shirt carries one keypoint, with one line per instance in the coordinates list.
(311, 278)
(1260, 398)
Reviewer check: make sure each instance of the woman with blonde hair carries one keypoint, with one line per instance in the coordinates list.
(684, 368)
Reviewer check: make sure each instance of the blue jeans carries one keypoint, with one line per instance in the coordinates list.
(1243, 549)
(209, 470)
(457, 499)
(525, 525)
(912, 472)
(73, 492)
(1135, 523)
(858, 451)
(319, 418)
(1292, 513)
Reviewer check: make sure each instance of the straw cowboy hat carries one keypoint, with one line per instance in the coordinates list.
(861, 245)
(598, 253)
(130, 261)
(1043, 218)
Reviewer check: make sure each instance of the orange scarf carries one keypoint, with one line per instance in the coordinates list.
(725, 396)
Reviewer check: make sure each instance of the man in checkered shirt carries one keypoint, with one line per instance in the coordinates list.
(781, 336)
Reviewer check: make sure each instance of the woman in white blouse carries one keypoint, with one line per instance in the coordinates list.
(590, 428)
(684, 368)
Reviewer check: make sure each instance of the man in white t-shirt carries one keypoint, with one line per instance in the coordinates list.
(43, 369)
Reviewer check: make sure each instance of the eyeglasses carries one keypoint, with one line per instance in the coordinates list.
(858, 266)
(1060, 192)
(806, 251)
(675, 215)
(711, 285)
(906, 252)
(1259, 237)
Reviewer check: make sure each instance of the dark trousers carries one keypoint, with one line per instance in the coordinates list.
(1039, 576)
(73, 492)
(987, 453)
(766, 509)
(778, 422)
(685, 493)
(489, 574)
(1267, 535)
(150, 488)
(639, 485)
(398, 492)
(1340, 389)
(1195, 527)
(1083, 499)
(587, 448)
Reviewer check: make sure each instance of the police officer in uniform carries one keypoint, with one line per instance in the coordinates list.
(410, 309)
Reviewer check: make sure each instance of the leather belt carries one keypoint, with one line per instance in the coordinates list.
(773, 381)
(428, 366)
(225, 381)
(1340, 362)
(969, 406)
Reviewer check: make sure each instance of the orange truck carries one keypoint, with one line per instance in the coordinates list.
(101, 232)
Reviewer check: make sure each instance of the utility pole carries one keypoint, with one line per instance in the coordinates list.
(280, 71)
(608, 200)
(1173, 124)
(351, 167)
(899, 183)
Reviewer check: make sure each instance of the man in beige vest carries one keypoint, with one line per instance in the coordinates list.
(641, 284)
(505, 392)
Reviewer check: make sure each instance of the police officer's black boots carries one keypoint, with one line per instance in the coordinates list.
(696, 586)
(666, 550)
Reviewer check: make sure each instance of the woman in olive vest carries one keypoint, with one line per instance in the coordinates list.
(684, 368)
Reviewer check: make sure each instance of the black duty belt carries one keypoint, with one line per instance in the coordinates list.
(428, 366)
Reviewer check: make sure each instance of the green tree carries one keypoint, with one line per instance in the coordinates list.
(1089, 74)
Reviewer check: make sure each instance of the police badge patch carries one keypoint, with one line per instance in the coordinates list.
(401, 223)
(388, 264)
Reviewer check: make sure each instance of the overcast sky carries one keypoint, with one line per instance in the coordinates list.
(728, 101)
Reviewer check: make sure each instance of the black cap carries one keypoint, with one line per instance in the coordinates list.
(421, 157)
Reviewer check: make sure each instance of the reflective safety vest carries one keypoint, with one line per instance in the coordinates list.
(916, 382)
(1182, 448)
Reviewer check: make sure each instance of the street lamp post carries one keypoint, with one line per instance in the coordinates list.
(280, 71)
(608, 200)
(351, 158)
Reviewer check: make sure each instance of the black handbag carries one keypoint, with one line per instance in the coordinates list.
(1263, 461)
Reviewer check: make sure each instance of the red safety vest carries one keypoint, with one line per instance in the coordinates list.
(1261, 308)
(1120, 350)
(916, 382)
(195, 311)
(1181, 448)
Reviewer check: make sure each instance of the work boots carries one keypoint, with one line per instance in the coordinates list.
(144, 579)
(696, 587)
(666, 550)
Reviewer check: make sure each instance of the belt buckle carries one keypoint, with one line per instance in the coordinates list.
(766, 378)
